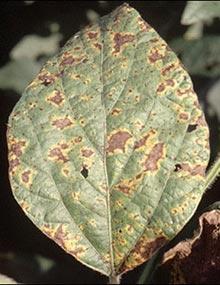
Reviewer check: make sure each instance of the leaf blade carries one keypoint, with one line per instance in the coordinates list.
(104, 122)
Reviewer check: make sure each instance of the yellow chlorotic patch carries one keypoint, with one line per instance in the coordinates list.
(92, 222)
(24, 205)
(75, 196)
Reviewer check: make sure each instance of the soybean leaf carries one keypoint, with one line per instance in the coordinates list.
(32, 46)
(6, 280)
(200, 11)
(108, 146)
(192, 51)
(16, 74)
(199, 254)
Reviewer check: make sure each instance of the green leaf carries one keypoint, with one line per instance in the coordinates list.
(6, 280)
(32, 46)
(108, 145)
(18, 73)
(192, 51)
(213, 98)
(200, 11)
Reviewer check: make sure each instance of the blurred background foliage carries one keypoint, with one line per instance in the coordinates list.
(31, 32)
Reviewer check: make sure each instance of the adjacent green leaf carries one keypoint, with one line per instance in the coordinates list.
(192, 51)
(32, 46)
(213, 98)
(108, 145)
(200, 11)
(6, 280)
(18, 73)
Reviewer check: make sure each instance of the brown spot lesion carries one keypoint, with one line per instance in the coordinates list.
(60, 236)
(13, 164)
(116, 112)
(155, 56)
(141, 142)
(157, 53)
(151, 163)
(62, 123)
(24, 205)
(92, 35)
(25, 176)
(144, 26)
(69, 59)
(17, 147)
(166, 84)
(121, 39)
(78, 139)
(118, 141)
(57, 154)
(56, 98)
(166, 70)
(194, 170)
(143, 251)
(87, 152)
(184, 116)
(129, 186)
(46, 78)
(201, 121)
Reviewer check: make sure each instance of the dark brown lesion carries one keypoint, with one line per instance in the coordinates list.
(62, 123)
(118, 141)
(122, 39)
(151, 163)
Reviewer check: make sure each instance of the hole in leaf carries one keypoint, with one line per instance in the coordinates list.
(177, 167)
(191, 128)
(84, 172)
